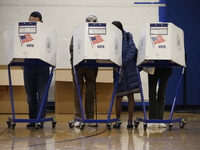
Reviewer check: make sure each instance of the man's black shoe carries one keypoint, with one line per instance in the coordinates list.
(30, 125)
(130, 126)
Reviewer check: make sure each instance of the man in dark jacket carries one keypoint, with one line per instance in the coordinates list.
(35, 80)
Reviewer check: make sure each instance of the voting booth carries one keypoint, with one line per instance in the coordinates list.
(31, 40)
(96, 45)
(161, 41)
(161, 44)
(97, 41)
(31, 44)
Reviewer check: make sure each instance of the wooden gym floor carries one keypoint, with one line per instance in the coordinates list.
(100, 138)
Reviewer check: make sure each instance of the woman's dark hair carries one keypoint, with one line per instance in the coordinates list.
(36, 14)
(119, 25)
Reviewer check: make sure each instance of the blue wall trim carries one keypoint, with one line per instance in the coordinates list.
(160, 2)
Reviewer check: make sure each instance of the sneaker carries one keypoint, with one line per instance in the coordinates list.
(30, 125)
(93, 125)
(162, 125)
(153, 125)
(77, 124)
(77, 130)
(161, 130)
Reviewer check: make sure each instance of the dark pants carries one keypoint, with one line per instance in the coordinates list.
(157, 99)
(35, 80)
(89, 75)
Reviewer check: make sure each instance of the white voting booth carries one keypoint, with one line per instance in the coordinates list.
(97, 44)
(161, 44)
(99, 41)
(30, 44)
(31, 40)
(161, 41)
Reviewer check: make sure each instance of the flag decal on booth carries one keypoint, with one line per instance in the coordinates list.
(96, 39)
(158, 39)
(25, 38)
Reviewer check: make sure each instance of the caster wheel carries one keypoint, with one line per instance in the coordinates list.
(71, 124)
(37, 126)
(13, 126)
(145, 126)
(109, 126)
(182, 124)
(136, 124)
(54, 124)
(82, 125)
(9, 124)
(170, 127)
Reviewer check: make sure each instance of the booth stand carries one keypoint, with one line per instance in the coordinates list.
(96, 45)
(161, 45)
(145, 120)
(30, 44)
(12, 120)
(83, 120)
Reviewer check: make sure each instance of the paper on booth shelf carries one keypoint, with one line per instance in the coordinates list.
(161, 41)
(31, 40)
(149, 70)
(97, 41)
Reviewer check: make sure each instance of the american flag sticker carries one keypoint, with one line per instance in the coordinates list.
(96, 39)
(25, 38)
(157, 40)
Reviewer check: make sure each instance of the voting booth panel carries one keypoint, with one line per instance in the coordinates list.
(30, 44)
(97, 41)
(31, 40)
(161, 41)
(100, 45)
(161, 45)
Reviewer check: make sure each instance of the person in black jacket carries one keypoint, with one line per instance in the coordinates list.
(128, 84)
